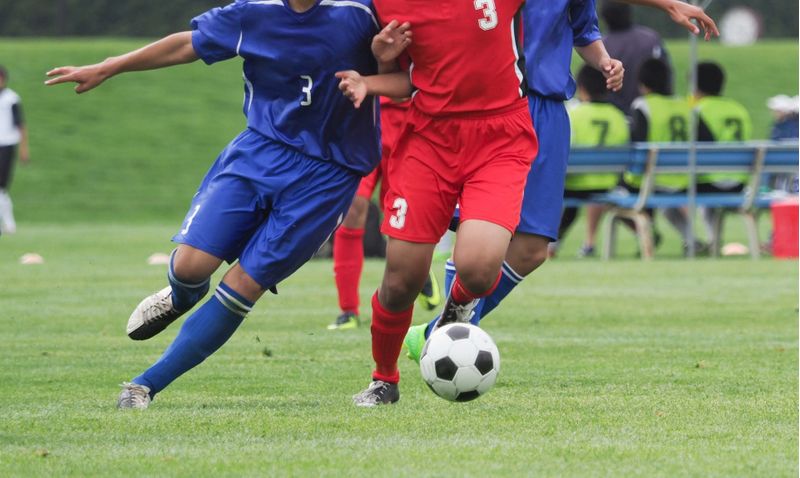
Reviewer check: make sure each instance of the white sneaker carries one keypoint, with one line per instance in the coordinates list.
(152, 315)
(133, 396)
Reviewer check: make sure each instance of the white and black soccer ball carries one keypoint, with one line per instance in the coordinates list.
(460, 362)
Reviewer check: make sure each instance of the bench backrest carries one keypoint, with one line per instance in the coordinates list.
(599, 160)
(733, 157)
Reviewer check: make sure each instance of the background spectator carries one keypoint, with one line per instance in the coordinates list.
(12, 135)
(632, 45)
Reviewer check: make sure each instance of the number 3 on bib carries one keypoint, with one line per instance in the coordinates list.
(489, 19)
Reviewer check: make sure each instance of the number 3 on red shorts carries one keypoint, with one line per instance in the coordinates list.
(398, 219)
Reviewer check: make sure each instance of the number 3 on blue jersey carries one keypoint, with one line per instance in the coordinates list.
(489, 19)
(307, 90)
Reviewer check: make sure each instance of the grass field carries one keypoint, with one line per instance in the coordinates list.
(671, 368)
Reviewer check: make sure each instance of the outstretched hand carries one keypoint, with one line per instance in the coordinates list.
(87, 77)
(683, 14)
(390, 42)
(352, 86)
(614, 73)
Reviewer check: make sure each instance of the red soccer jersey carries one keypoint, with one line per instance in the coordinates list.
(465, 53)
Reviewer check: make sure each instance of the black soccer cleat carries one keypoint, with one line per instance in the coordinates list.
(378, 393)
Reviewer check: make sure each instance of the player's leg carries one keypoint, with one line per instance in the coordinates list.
(219, 216)
(417, 209)
(407, 266)
(312, 198)
(540, 213)
(188, 277)
(490, 204)
(568, 218)
(202, 334)
(594, 212)
(7, 223)
(527, 251)
(348, 258)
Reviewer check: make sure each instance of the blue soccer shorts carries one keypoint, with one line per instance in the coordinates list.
(267, 205)
(544, 190)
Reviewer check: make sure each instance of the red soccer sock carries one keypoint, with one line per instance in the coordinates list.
(461, 295)
(388, 331)
(348, 261)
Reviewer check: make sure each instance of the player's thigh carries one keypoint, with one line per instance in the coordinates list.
(422, 191)
(479, 252)
(223, 216)
(407, 266)
(356, 216)
(499, 151)
(544, 189)
(193, 265)
(305, 213)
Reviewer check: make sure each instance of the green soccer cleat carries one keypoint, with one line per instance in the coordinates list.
(430, 296)
(415, 341)
(347, 320)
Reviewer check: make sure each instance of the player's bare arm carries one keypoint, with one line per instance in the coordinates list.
(683, 13)
(390, 42)
(596, 56)
(356, 87)
(24, 150)
(175, 49)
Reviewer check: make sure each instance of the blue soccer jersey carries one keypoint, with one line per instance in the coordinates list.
(552, 28)
(291, 94)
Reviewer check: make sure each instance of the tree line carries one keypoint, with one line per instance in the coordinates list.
(154, 18)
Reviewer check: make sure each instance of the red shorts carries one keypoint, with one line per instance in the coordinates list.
(392, 120)
(480, 162)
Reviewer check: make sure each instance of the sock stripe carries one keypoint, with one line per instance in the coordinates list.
(511, 274)
(449, 266)
(232, 301)
(229, 305)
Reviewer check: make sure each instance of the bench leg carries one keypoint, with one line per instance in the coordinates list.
(610, 236)
(717, 217)
(645, 234)
(751, 224)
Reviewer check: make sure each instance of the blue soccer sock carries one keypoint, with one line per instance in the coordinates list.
(184, 294)
(449, 277)
(202, 334)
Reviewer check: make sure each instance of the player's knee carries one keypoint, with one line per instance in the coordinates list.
(527, 253)
(478, 277)
(241, 282)
(536, 257)
(398, 292)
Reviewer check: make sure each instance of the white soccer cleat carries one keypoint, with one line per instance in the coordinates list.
(152, 315)
(133, 396)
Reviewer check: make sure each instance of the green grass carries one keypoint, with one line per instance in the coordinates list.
(136, 148)
(669, 368)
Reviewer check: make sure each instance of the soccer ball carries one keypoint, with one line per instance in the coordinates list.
(460, 362)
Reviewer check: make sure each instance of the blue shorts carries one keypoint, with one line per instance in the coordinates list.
(267, 205)
(544, 191)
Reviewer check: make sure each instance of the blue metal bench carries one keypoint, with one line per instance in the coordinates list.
(652, 159)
